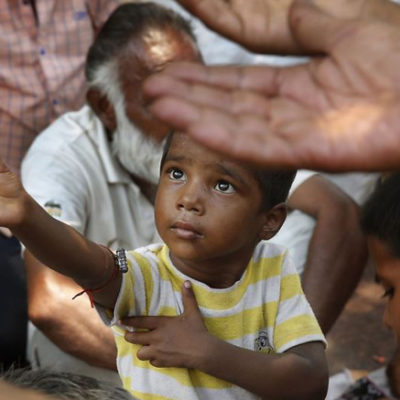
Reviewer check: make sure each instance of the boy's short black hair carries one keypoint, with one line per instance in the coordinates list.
(274, 183)
(380, 215)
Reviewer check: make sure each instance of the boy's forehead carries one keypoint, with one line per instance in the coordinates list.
(183, 147)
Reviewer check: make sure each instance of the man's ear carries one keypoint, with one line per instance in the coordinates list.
(102, 108)
(274, 219)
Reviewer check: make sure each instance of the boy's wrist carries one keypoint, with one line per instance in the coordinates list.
(206, 350)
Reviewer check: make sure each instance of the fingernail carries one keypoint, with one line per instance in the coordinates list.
(187, 284)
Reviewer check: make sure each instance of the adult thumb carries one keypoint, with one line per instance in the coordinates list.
(313, 29)
(188, 299)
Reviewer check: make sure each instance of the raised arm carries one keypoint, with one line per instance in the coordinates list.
(55, 243)
(337, 247)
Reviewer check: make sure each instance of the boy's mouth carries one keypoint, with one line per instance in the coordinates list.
(185, 230)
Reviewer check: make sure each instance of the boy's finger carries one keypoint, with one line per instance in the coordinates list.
(141, 338)
(189, 300)
(141, 322)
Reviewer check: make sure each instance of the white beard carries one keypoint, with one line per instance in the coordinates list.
(137, 153)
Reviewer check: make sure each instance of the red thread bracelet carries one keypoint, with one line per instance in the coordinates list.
(90, 292)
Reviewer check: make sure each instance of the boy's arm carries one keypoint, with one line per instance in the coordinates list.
(300, 373)
(73, 326)
(55, 243)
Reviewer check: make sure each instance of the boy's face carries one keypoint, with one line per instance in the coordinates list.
(208, 208)
(388, 274)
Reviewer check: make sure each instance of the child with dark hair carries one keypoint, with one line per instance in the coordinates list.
(214, 313)
(380, 221)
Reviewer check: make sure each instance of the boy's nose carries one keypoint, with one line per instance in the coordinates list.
(191, 199)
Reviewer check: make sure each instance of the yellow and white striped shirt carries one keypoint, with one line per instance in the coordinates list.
(265, 311)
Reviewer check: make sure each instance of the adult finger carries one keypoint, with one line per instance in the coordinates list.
(216, 14)
(264, 79)
(246, 137)
(234, 101)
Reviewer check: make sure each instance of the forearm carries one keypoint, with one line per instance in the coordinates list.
(72, 325)
(80, 333)
(336, 259)
(60, 246)
(284, 376)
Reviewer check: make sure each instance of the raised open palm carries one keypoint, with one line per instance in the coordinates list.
(339, 112)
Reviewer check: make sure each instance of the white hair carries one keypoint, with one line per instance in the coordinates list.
(134, 149)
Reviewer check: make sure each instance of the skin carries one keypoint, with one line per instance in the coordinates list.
(262, 25)
(337, 247)
(202, 202)
(300, 373)
(334, 113)
(73, 325)
(9, 392)
(388, 275)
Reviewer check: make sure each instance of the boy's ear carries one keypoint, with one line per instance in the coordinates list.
(102, 108)
(274, 219)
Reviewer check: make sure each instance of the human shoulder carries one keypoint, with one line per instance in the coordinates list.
(271, 259)
(66, 142)
(69, 130)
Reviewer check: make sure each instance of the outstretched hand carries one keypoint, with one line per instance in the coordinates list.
(12, 197)
(339, 112)
(171, 341)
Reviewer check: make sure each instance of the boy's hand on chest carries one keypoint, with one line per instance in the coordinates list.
(171, 341)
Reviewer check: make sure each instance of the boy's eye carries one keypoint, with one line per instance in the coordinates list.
(389, 293)
(176, 174)
(225, 187)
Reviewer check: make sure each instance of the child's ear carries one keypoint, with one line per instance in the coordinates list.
(274, 219)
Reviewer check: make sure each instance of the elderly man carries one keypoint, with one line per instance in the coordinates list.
(95, 170)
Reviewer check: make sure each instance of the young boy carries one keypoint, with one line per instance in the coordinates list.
(218, 313)
(380, 221)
